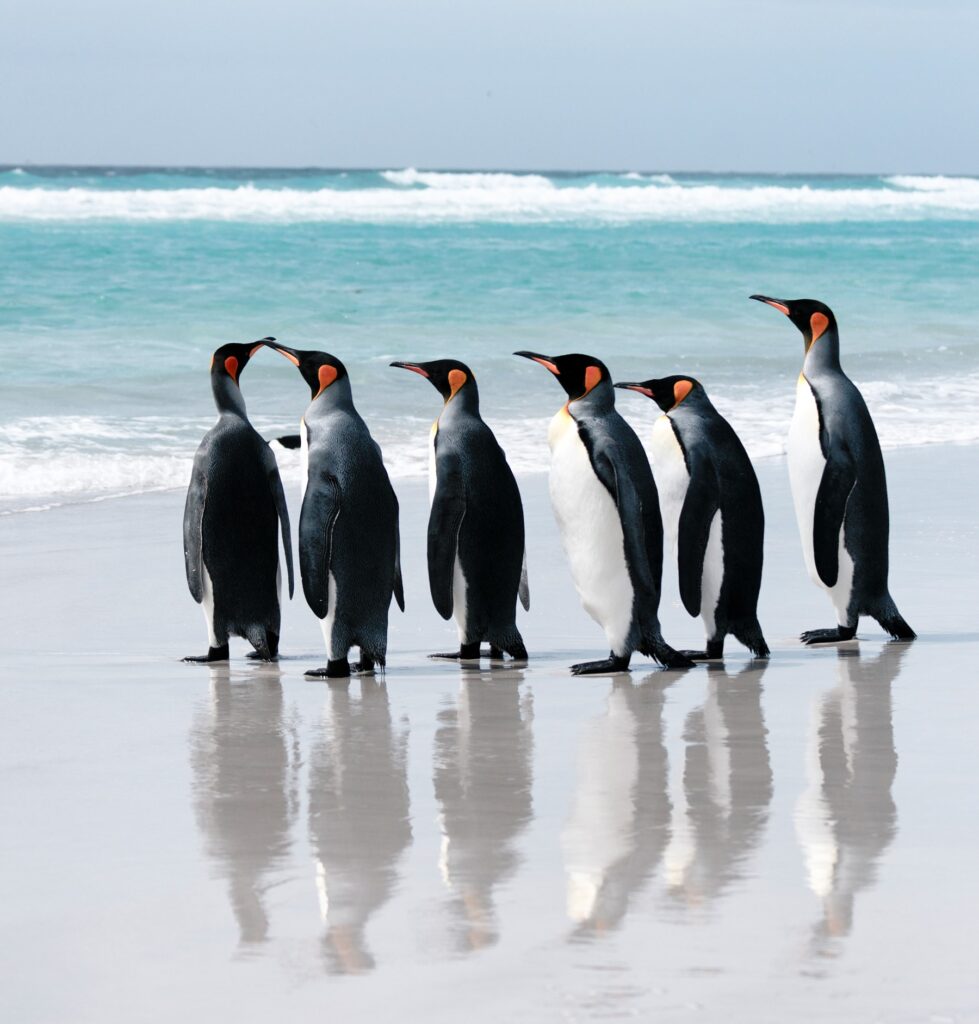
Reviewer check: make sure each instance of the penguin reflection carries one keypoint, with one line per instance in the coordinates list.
(846, 818)
(619, 825)
(727, 787)
(358, 817)
(483, 777)
(244, 765)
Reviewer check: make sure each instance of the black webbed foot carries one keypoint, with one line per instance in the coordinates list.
(365, 666)
(270, 652)
(828, 636)
(612, 663)
(213, 654)
(714, 651)
(466, 652)
(339, 669)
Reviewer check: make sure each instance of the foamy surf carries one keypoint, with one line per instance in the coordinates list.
(46, 461)
(419, 197)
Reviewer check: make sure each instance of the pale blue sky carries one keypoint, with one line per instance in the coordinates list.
(798, 85)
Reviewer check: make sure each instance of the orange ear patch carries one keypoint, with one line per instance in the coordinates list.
(681, 389)
(231, 365)
(818, 322)
(593, 376)
(327, 375)
(456, 379)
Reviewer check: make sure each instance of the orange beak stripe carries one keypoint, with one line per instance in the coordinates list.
(681, 389)
(327, 375)
(292, 359)
(548, 365)
(417, 369)
(255, 348)
(231, 365)
(780, 306)
(818, 322)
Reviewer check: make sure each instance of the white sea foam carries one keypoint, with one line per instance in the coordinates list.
(52, 460)
(504, 198)
(466, 179)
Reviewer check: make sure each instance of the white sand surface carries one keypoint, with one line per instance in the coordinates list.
(790, 842)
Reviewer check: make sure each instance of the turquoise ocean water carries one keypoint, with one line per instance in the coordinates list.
(116, 285)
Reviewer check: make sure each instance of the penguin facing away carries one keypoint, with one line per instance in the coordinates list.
(712, 510)
(235, 506)
(476, 559)
(349, 547)
(607, 508)
(838, 483)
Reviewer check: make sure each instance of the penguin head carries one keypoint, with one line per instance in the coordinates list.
(813, 318)
(320, 370)
(666, 392)
(578, 374)
(229, 360)
(449, 377)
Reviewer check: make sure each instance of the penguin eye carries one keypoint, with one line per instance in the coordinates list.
(818, 323)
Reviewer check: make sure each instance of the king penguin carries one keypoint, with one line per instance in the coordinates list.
(349, 549)
(607, 508)
(235, 506)
(712, 509)
(477, 566)
(838, 485)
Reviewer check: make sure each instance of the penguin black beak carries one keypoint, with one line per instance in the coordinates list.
(283, 350)
(545, 361)
(641, 388)
(414, 367)
(774, 303)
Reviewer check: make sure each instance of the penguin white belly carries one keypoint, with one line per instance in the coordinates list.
(591, 533)
(712, 576)
(207, 604)
(806, 465)
(303, 459)
(327, 623)
(459, 599)
(672, 478)
(431, 463)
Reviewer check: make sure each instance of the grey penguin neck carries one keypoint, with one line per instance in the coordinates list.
(823, 355)
(336, 398)
(598, 402)
(464, 403)
(227, 396)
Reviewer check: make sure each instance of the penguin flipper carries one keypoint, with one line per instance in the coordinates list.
(642, 553)
(193, 530)
(278, 496)
(448, 511)
(524, 589)
(318, 517)
(839, 477)
(699, 508)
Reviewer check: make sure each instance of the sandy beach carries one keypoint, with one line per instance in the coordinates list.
(791, 841)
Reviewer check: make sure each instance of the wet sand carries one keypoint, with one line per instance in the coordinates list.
(791, 841)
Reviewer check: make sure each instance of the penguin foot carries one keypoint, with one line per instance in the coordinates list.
(714, 652)
(339, 669)
(213, 654)
(466, 652)
(612, 663)
(262, 656)
(828, 636)
(494, 653)
(365, 666)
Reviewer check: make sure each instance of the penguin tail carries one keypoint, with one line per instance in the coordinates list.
(749, 634)
(890, 620)
(658, 649)
(511, 642)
